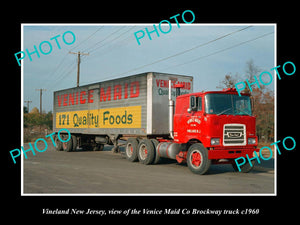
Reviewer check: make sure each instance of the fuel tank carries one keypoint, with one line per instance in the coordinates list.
(168, 149)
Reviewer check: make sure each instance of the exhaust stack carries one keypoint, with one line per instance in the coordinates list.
(171, 111)
(171, 106)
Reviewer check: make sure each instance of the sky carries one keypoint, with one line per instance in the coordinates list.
(207, 52)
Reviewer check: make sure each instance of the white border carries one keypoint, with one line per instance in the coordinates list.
(22, 113)
(157, 194)
(275, 110)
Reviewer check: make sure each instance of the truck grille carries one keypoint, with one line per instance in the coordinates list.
(234, 134)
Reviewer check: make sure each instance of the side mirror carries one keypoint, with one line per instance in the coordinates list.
(193, 103)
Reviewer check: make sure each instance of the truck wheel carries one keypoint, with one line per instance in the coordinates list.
(146, 152)
(58, 144)
(245, 168)
(131, 149)
(197, 159)
(156, 155)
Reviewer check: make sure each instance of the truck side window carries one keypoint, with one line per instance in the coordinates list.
(193, 103)
(199, 103)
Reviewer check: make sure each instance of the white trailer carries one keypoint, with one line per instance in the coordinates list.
(103, 112)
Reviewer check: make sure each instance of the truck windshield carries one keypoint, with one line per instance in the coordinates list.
(227, 104)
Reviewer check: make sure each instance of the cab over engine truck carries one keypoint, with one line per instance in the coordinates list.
(159, 117)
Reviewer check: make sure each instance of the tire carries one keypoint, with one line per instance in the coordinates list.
(157, 158)
(58, 144)
(131, 149)
(146, 152)
(245, 168)
(74, 142)
(197, 159)
(68, 146)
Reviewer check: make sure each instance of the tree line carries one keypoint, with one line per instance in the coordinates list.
(34, 118)
(36, 124)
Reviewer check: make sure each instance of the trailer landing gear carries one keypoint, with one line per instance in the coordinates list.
(114, 140)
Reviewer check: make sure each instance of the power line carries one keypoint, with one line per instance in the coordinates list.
(113, 39)
(222, 50)
(65, 73)
(87, 38)
(61, 63)
(185, 51)
(63, 77)
(110, 48)
(65, 56)
(214, 53)
(62, 74)
(91, 48)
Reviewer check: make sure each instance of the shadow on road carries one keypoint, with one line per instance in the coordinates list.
(262, 167)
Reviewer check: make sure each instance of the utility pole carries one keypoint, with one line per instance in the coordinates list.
(78, 63)
(28, 105)
(41, 93)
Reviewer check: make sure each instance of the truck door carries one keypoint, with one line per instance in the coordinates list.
(187, 122)
(193, 117)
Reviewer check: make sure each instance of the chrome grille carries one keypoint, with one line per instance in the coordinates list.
(234, 134)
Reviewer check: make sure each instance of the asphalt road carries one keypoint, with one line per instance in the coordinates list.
(88, 172)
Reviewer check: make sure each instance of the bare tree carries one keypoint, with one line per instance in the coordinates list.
(251, 72)
(262, 100)
(229, 81)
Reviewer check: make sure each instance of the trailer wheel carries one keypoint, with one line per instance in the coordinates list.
(197, 159)
(68, 146)
(74, 142)
(131, 149)
(146, 152)
(58, 144)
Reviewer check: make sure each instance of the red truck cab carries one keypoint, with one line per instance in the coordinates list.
(219, 121)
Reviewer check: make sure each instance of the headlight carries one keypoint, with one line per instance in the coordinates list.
(251, 141)
(215, 141)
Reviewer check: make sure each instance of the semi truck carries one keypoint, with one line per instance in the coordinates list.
(158, 116)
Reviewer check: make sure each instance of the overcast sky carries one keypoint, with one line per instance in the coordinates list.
(213, 52)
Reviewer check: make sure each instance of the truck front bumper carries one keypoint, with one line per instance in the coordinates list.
(231, 154)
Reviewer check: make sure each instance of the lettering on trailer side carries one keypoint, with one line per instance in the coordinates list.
(123, 117)
(109, 93)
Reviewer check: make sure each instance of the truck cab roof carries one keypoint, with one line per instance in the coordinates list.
(224, 91)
